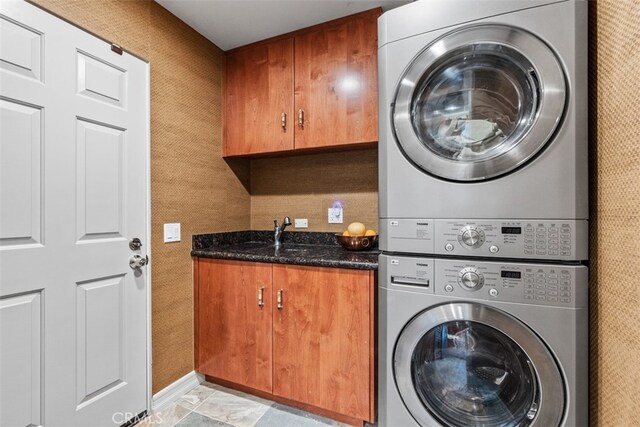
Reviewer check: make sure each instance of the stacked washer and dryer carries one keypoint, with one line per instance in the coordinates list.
(483, 279)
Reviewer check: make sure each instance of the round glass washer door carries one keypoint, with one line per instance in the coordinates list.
(479, 102)
(466, 364)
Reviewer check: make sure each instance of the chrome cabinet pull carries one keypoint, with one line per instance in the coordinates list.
(261, 297)
(283, 121)
(301, 118)
(279, 304)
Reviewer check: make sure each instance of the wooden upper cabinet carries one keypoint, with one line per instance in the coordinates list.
(336, 81)
(329, 92)
(258, 114)
(233, 331)
(323, 338)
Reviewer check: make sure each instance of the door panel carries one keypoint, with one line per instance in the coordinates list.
(234, 332)
(100, 180)
(20, 49)
(336, 83)
(74, 160)
(101, 80)
(20, 174)
(101, 347)
(322, 340)
(259, 89)
(20, 364)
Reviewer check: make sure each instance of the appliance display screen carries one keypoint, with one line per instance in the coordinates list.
(511, 274)
(511, 230)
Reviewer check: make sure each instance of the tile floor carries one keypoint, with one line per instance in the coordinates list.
(213, 405)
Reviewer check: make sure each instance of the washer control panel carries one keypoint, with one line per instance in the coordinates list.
(561, 240)
(529, 283)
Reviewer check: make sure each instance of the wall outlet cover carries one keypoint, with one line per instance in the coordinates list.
(335, 216)
(301, 223)
(172, 232)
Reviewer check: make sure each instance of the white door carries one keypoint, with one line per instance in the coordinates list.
(73, 192)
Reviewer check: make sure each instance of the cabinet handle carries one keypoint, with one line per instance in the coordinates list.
(279, 304)
(261, 297)
(283, 121)
(301, 118)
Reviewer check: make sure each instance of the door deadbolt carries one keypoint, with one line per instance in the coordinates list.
(137, 261)
(135, 244)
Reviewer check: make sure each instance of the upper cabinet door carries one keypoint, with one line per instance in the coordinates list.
(259, 100)
(336, 88)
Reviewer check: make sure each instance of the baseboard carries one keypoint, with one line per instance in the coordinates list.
(174, 391)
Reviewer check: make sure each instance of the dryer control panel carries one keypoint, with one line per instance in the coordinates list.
(522, 239)
(529, 283)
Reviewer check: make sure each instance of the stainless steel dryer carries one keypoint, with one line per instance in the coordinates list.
(483, 128)
(477, 343)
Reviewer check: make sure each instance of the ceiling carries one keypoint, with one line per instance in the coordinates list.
(233, 23)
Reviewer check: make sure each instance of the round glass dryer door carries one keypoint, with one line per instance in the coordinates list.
(466, 364)
(479, 102)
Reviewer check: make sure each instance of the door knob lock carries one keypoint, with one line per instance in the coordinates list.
(137, 261)
(135, 244)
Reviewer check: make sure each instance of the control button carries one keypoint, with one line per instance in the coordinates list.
(565, 253)
(541, 286)
(528, 252)
(528, 297)
(528, 291)
(540, 281)
(552, 299)
(541, 252)
(553, 293)
(552, 282)
(565, 294)
(552, 287)
(553, 252)
(553, 276)
(541, 292)
(493, 292)
(448, 247)
(565, 300)
(553, 230)
(448, 288)
(494, 249)
(540, 275)
(470, 280)
(540, 297)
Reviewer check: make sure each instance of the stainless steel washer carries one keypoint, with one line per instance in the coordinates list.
(465, 342)
(483, 117)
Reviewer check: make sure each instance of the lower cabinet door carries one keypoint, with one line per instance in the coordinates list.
(323, 338)
(234, 322)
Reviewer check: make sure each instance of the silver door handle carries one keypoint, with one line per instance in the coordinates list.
(137, 261)
(283, 121)
(301, 118)
(261, 297)
(279, 303)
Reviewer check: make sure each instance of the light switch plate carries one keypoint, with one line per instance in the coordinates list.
(335, 216)
(301, 223)
(172, 232)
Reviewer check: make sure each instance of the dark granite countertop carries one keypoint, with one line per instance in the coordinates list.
(299, 248)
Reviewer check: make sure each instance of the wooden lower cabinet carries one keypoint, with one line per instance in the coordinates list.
(233, 332)
(320, 338)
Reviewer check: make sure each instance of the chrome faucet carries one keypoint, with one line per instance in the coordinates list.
(279, 229)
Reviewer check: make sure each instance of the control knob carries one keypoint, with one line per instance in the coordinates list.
(470, 279)
(471, 237)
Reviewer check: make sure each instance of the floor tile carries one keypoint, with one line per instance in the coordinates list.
(165, 418)
(197, 420)
(280, 415)
(196, 396)
(231, 409)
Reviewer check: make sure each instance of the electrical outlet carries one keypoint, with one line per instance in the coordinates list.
(172, 233)
(301, 223)
(335, 216)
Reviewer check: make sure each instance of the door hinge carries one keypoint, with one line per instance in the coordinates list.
(116, 48)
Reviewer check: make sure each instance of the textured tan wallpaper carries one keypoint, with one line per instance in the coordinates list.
(190, 182)
(305, 186)
(615, 214)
